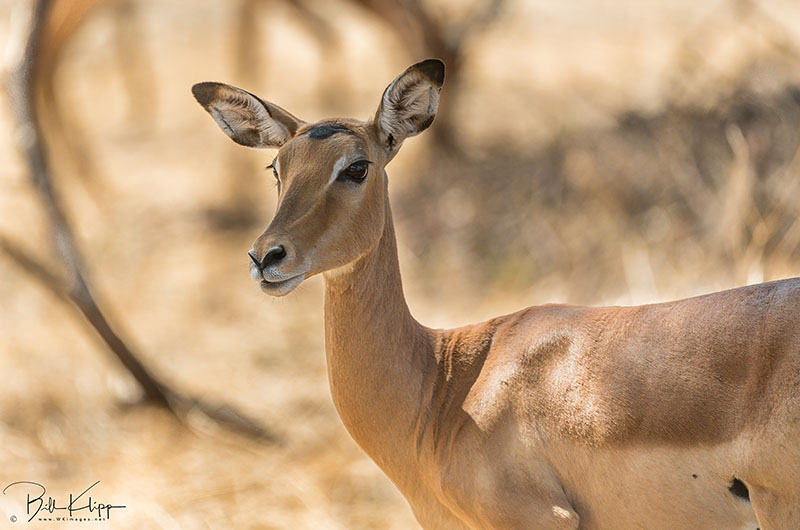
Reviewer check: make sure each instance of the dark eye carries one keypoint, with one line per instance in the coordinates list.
(356, 171)
(275, 174)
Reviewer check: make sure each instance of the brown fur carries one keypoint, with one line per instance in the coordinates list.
(554, 416)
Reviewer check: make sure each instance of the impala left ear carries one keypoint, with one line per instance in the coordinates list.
(409, 103)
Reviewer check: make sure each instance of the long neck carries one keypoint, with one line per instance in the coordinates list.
(377, 353)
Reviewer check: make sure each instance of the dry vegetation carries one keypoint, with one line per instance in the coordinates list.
(604, 152)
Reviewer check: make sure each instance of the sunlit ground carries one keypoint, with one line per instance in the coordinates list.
(552, 200)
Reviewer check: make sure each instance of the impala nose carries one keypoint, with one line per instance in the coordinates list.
(273, 256)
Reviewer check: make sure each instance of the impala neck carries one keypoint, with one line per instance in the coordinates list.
(377, 353)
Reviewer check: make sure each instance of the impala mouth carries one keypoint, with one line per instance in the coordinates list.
(281, 287)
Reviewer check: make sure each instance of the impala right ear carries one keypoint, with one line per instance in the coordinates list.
(409, 103)
(244, 117)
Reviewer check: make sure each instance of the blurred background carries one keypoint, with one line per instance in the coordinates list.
(593, 152)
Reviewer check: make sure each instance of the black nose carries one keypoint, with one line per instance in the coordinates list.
(273, 256)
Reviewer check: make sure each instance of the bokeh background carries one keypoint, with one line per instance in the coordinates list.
(588, 152)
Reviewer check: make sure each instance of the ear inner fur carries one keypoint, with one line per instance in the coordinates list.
(409, 104)
(244, 117)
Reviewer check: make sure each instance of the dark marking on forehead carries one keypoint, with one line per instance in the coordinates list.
(326, 130)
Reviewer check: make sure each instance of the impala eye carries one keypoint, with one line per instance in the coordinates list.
(275, 174)
(356, 171)
(274, 171)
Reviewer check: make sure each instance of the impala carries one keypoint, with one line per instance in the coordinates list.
(681, 415)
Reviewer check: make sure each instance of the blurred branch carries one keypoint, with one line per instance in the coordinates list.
(750, 12)
(426, 35)
(35, 268)
(75, 287)
(61, 20)
(691, 56)
(484, 17)
(451, 38)
(736, 195)
(28, 129)
(675, 153)
(319, 26)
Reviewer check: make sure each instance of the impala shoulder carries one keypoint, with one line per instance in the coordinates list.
(537, 333)
(487, 362)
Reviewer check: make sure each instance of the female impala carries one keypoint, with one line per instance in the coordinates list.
(682, 415)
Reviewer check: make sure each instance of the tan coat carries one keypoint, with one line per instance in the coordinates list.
(684, 415)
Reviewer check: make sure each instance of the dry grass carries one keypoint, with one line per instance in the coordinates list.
(615, 152)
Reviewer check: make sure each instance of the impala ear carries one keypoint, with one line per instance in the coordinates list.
(409, 103)
(246, 118)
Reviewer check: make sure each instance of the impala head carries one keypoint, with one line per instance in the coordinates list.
(331, 179)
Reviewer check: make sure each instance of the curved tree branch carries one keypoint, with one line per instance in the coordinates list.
(75, 288)
(21, 82)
